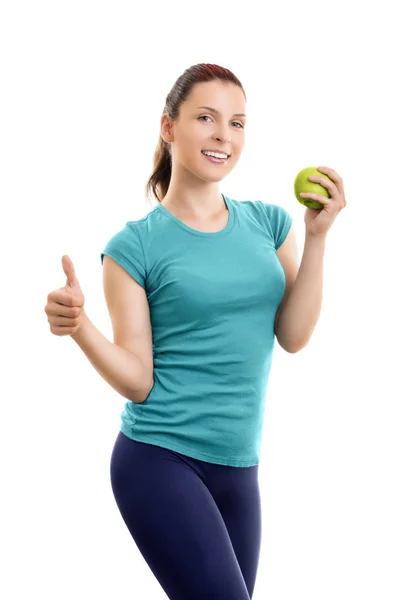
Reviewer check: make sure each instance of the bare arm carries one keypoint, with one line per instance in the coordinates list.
(300, 310)
(122, 369)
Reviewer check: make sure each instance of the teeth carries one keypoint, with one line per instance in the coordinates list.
(215, 154)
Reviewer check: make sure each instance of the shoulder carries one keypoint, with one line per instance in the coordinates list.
(277, 219)
(281, 227)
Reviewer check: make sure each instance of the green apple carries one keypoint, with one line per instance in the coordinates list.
(303, 184)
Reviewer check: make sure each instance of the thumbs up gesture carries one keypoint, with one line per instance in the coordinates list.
(64, 306)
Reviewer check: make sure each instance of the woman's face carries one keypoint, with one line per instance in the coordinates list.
(198, 129)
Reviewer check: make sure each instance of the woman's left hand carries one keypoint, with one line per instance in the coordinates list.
(318, 222)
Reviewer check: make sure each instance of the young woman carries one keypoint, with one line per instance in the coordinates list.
(197, 290)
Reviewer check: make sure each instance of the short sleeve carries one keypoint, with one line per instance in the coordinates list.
(126, 249)
(280, 221)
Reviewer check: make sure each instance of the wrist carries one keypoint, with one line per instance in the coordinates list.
(84, 320)
(321, 238)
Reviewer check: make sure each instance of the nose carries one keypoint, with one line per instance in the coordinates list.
(223, 139)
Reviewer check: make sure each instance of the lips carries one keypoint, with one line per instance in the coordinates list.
(217, 151)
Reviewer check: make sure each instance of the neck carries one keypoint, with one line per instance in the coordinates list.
(197, 203)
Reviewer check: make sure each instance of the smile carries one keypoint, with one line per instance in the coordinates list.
(214, 160)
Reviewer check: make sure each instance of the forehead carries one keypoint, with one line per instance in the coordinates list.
(223, 96)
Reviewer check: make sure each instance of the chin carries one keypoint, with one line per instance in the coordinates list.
(207, 175)
(214, 179)
(218, 173)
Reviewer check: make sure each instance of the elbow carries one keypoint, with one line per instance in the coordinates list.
(289, 349)
(140, 396)
(289, 342)
(290, 346)
(294, 350)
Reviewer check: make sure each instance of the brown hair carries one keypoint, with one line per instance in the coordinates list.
(160, 178)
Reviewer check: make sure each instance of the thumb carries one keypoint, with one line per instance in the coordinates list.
(69, 271)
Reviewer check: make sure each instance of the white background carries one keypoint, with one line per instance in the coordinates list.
(83, 87)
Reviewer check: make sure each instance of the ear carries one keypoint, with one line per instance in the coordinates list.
(166, 128)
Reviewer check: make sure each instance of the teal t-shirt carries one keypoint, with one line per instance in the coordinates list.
(213, 297)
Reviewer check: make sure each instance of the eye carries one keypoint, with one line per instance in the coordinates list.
(207, 117)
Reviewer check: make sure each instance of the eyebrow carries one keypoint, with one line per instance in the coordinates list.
(214, 110)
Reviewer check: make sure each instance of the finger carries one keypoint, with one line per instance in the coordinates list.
(63, 298)
(323, 199)
(326, 183)
(59, 310)
(66, 322)
(333, 175)
(69, 270)
(64, 330)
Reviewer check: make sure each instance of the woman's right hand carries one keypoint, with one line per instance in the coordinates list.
(64, 306)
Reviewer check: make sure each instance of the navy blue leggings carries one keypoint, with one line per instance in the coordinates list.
(196, 524)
